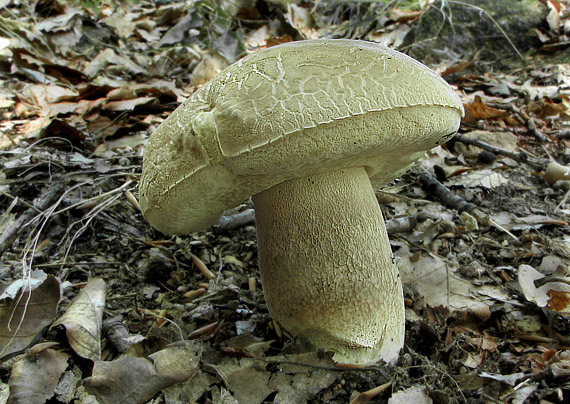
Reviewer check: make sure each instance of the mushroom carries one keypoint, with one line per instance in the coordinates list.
(556, 172)
(308, 129)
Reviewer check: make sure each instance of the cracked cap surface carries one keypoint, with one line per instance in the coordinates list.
(290, 111)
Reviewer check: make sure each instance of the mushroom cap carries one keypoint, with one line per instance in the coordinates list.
(290, 111)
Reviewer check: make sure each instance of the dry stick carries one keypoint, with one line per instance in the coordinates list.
(339, 367)
(523, 119)
(453, 201)
(537, 133)
(247, 217)
(15, 228)
(117, 333)
(550, 279)
(521, 156)
(232, 222)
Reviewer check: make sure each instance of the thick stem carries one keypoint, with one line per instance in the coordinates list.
(326, 265)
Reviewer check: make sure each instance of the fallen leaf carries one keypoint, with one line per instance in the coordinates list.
(511, 379)
(35, 376)
(482, 178)
(26, 309)
(414, 394)
(554, 295)
(478, 110)
(439, 284)
(297, 383)
(245, 345)
(83, 320)
(560, 364)
(553, 17)
(250, 384)
(559, 301)
(127, 105)
(130, 380)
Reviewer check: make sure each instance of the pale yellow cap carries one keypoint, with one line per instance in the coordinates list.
(289, 111)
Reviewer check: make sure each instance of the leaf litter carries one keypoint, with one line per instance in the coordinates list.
(182, 319)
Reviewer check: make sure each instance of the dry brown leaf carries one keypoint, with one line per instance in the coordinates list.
(63, 130)
(24, 316)
(34, 377)
(108, 57)
(457, 67)
(478, 110)
(59, 22)
(545, 108)
(83, 319)
(559, 301)
(130, 380)
(439, 284)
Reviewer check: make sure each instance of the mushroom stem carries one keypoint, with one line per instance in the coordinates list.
(326, 265)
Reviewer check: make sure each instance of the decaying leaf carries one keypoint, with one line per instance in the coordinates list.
(250, 383)
(559, 300)
(479, 110)
(35, 376)
(299, 377)
(554, 295)
(245, 345)
(24, 315)
(4, 392)
(414, 394)
(295, 383)
(130, 380)
(560, 364)
(83, 319)
(440, 284)
(482, 178)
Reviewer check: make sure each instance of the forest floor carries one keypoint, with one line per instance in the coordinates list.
(96, 305)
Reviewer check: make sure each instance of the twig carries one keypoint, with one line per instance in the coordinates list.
(445, 196)
(537, 133)
(401, 224)
(117, 333)
(453, 201)
(521, 157)
(339, 367)
(232, 222)
(247, 217)
(523, 118)
(368, 395)
(550, 279)
(17, 226)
